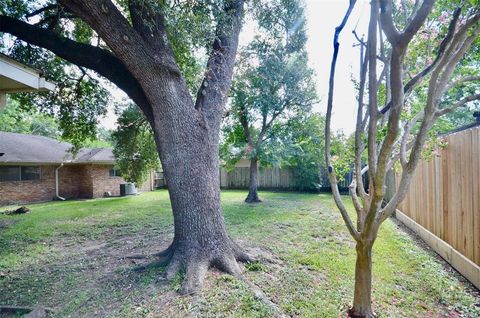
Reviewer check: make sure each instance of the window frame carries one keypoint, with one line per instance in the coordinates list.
(116, 172)
(35, 167)
(20, 169)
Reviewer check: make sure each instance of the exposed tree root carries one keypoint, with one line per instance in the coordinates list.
(195, 262)
(259, 294)
(351, 314)
(195, 265)
(240, 254)
(253, 200)
(176, 265)
(162, 259)
(27, 312)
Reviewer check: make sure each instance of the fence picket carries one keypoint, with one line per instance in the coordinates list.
(444, 194)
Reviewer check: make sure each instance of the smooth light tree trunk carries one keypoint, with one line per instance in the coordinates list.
(362, 299)
(252, 196)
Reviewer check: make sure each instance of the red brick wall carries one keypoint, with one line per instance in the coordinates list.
(76, 181)
(69, 179)
(102, 182)
(13, 192)
(17, 192)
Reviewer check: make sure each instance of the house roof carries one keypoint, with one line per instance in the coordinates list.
(32, 149)
(96, 155)
(18, 77)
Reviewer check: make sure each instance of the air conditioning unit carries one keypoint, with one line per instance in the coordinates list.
(128, 189)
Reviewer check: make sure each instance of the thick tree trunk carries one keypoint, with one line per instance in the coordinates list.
(252, 196)
(362, 299)
(188, 148)
(187, 137)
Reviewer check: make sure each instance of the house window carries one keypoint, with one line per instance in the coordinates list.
(115, 172)
(9, 173)
(19, 173)
(30, 173)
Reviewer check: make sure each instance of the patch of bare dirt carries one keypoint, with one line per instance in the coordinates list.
(5, 224)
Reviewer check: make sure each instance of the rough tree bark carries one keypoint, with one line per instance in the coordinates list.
(252, 196)
(141, 62)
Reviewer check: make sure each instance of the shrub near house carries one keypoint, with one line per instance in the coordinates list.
(30, 166)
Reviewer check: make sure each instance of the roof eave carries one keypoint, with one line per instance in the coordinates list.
(24, 163)
(42, 163)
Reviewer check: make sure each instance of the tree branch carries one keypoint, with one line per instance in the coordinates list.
(407, 129)
(417, 21)
(218, 76)
(359, 144)
(386, 17)
(462, 80)
(148, 20)
(242, 115)
(331, 172)
(441, 50)
(458, 104)
(41, 10)
(393, 35)
(91, 57)
(372, 92)
(127, 44)
(451, 64)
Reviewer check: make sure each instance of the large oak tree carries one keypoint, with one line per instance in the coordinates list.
(136, 55)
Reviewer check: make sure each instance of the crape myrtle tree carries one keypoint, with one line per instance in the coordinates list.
(273, 84)
(132, 45)
(401, 105)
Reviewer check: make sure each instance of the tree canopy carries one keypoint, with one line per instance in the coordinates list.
(82, 94)
(134, 145)
(273, 85)
(12, 119)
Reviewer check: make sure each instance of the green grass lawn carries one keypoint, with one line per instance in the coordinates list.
(69, 256)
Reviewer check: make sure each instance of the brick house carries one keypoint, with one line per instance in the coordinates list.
(37, 168)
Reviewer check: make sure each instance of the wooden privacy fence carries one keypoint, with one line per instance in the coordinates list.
(268, 178)
(274, 178)
(444, 199)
